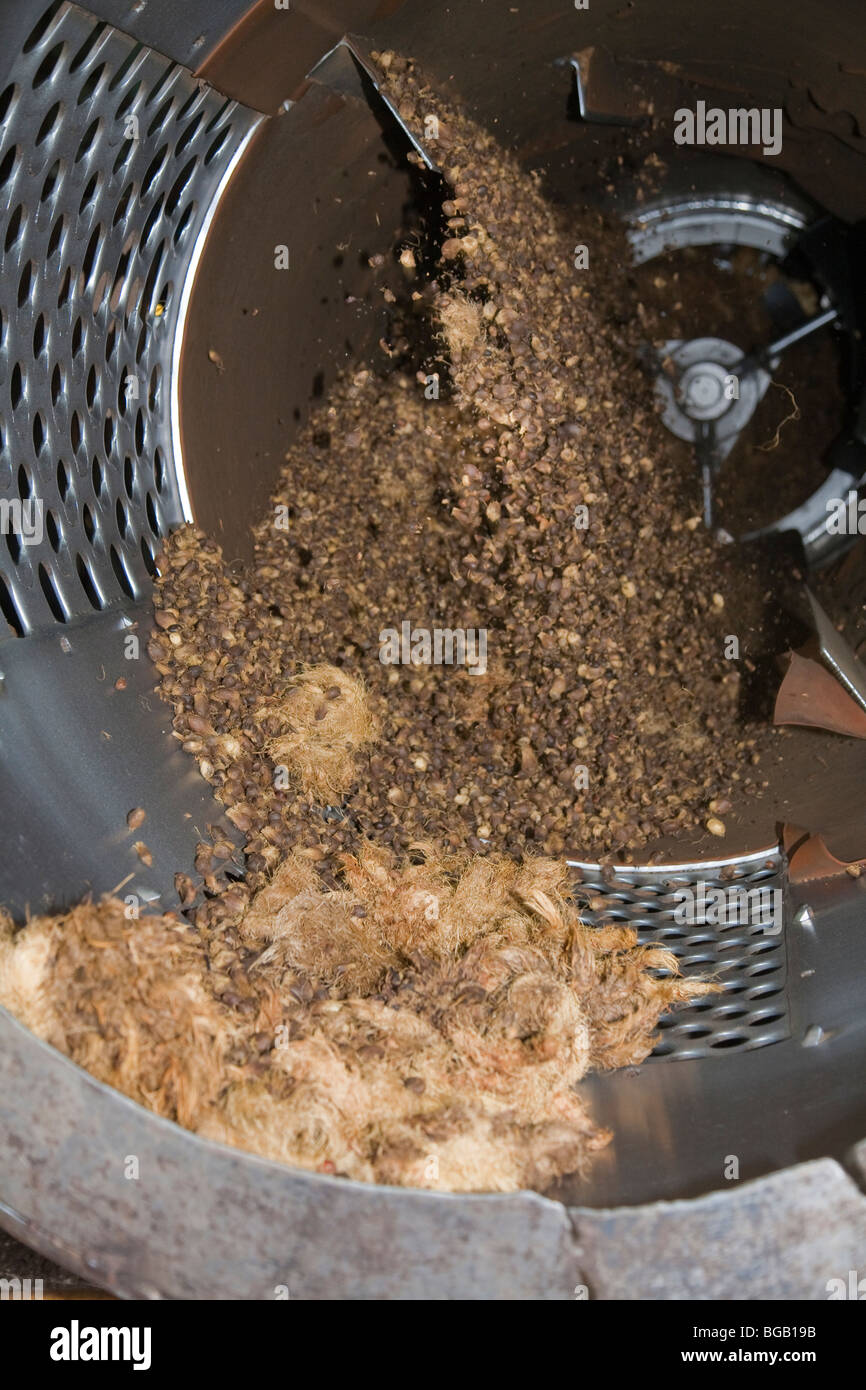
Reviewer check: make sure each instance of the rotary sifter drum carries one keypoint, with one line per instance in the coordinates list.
(153, 370)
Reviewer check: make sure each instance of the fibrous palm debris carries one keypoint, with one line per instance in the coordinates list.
(423, 1025)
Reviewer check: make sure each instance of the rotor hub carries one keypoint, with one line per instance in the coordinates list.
(706, 379)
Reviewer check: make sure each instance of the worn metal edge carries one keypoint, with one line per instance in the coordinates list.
(204, 1221)
(783, 1236)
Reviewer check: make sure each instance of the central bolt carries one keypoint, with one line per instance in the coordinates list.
(702, 391)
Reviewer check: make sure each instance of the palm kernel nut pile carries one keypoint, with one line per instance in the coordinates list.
(532, 502)
(400, 987)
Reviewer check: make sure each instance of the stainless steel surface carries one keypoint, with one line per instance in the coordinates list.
(675, 1126)
(110, 161)
(820, 546)
(835, 651)
(804, 330)
(732, 220)
(697, 392)
(77, 754)
(584, 107)
(347, 69)
(723, 919)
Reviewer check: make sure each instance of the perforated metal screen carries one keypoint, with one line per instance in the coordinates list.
(110, 159)
(736, 936)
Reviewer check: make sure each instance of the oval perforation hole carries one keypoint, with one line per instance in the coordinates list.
(25, 285)
(108, 432)
(86, 142)
(54, 537)
(172, 202)
(120, 276)
(153, 171)
(52, 597)
(77, 337)
(41, 28)
(139, 433)
(97, 476)
(125, 68)
(64, 481)
(47, 66)
(217, 145)
(159, 84)
(129, 478)
(13, 545)
(39, 336)
(90, 190)
(123, 204)
(121, 575)
(148, 294)
(141, 345)
(153, 219)
(154, 389)
(87, 581)
(86, 48)
(184, 222)
(88, 523)
(38, 434)
(6, 99)
(65, 288)
(768, 991)
(56, 237)
(158, 469)
(88, 90)
(161, 117)
(152, 518)
(13, 228)
(89, 262)
(216, 118)
(16, 386)
(187, 137)
(52, 179)
(75, 434)
(7, 164)
(195, 98)
(124, 155)
(8, 609)
(49, 121)
(101, 291)
(129, 99)
(121, 518)
(149, 558)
